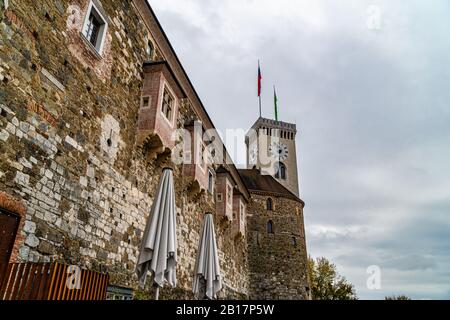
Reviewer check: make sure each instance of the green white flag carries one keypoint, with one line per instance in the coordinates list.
(275, 102)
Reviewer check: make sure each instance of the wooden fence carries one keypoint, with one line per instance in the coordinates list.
(50, 281)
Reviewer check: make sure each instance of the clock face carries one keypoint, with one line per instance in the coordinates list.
(254, 155)
(279, 151)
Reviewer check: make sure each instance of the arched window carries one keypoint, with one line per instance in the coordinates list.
(294, 241)
(281, 172)
(269, 204)
(270, 227)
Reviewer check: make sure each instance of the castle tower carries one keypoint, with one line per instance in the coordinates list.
(271, 149)
(277, 254)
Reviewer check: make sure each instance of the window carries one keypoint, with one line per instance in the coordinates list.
(150, 50)
(118, 293)
(219, 197)
(229, 195)
(210, 182)
(294, 241)
(167, 105)
(280, 171)
(95, 27)
(270, 227)
(269, 204)
(145, 102)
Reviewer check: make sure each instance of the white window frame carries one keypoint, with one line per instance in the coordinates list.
(101, 32)
(174, 104)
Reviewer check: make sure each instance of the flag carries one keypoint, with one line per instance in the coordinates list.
(275, 102)
(259, 80)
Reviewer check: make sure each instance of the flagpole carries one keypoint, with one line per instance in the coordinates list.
(259, 88)
(260, 114)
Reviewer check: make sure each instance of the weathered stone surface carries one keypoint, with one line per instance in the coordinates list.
(277, 259)
(29, 227)
(32, 241)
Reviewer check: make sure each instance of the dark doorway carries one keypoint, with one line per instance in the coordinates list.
(9, 223)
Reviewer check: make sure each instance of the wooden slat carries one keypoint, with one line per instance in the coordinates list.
(98, 287)
(6, 277)
(88, 286)
(44, 283)
(83, 285)
(92, 286)
(10, 283)
(52, 283)
(72, 292)
(3, 272)
(33, 281)
(27, 280)
(17, 281)
(23, 281)
(37, 281)
(80, 290)
(61, 283)
(102, 288)
(77, 292)
(64, 287)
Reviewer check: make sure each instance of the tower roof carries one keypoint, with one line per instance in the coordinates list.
(270, 123)
(255, 181)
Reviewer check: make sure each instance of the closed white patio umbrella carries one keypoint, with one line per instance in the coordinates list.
(158, 252)
(207, 278)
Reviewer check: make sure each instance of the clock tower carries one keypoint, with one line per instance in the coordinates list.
(271, 149)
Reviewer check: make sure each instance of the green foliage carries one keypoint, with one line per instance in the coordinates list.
(400, 297)
(326, 283)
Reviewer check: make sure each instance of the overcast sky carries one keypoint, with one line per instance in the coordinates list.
(367, 83)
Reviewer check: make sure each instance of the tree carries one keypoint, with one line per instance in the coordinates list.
(400, 297)
(326, 283)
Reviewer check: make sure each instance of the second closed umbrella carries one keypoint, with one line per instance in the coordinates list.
(207, 278)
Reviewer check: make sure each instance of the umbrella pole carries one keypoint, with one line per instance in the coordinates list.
(157, 293)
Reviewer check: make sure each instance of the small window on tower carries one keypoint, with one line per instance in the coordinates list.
(269, 204)
(270, 227)
(280, 171)
(95, 27)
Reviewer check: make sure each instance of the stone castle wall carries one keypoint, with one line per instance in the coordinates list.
(277, 260)
(68, 152)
